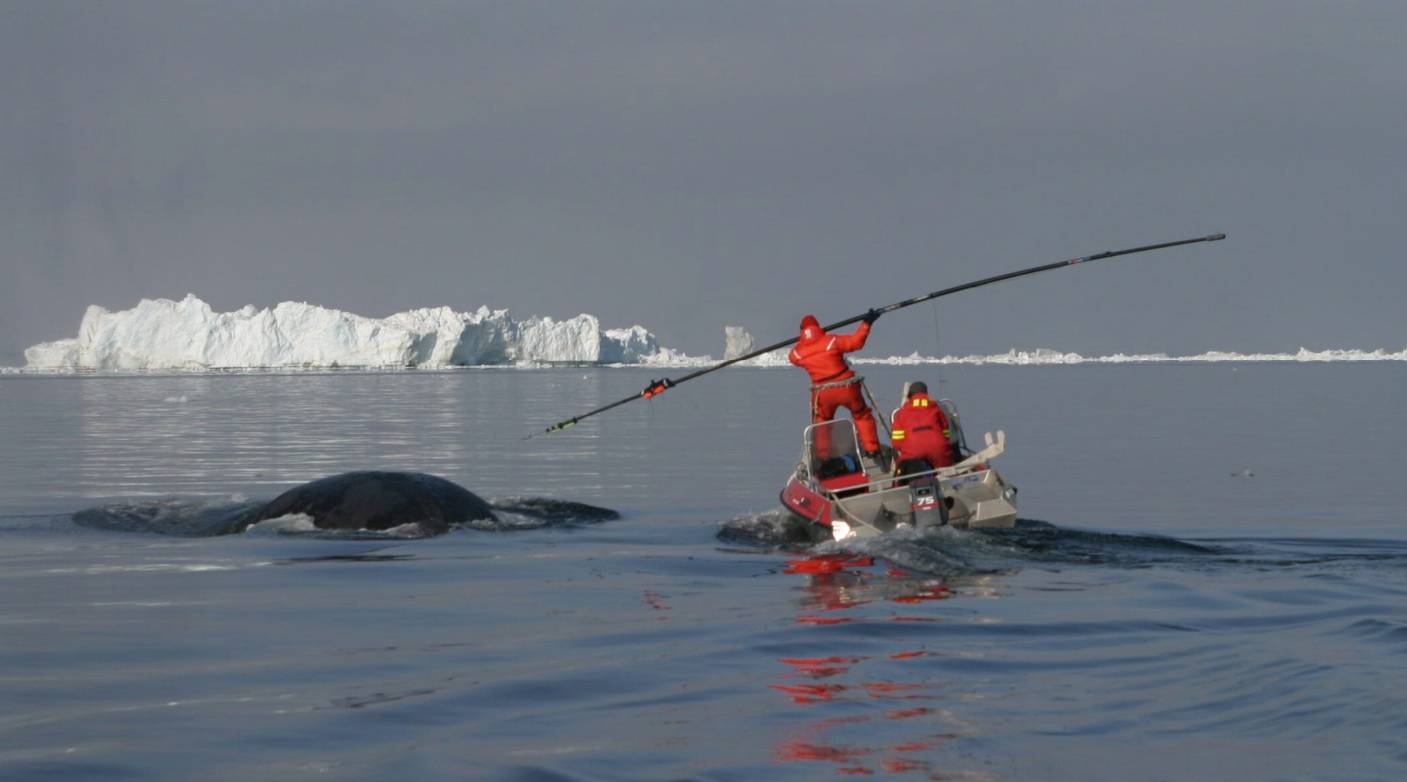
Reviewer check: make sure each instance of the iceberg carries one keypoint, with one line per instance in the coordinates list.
(736, 342)
(188, 335)
(161, 334)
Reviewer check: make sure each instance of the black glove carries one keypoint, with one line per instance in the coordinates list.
(871, 317)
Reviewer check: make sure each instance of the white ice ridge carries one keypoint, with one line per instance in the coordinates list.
(161, 334)
(186, 335)
(1043, 356)
(1046, 357)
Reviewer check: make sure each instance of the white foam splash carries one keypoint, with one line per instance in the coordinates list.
(282, 525)
(505, 520)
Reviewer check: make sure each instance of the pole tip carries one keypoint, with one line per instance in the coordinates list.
(1215, 237)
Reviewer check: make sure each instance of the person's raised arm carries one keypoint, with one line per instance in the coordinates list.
(856, 341)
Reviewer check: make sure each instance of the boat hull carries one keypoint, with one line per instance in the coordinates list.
(976, 498)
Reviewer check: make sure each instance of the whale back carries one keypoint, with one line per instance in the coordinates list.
(373, 500)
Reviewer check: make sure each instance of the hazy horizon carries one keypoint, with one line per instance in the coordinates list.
(1017, 354)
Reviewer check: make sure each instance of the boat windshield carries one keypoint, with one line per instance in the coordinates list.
(955, 435)
(831, 448)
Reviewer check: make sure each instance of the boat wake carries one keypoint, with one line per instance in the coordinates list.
(952, 553)
(179, 517)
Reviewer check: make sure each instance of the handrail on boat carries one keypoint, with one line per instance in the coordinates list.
(942, 472)
(994, 449)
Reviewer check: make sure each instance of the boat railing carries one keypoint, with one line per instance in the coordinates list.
(941, 472)
(974, 463)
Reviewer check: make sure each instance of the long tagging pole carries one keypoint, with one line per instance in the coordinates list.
(658, 387)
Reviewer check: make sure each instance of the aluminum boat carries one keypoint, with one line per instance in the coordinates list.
(839, 493)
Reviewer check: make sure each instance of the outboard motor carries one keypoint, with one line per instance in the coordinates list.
(926, 499)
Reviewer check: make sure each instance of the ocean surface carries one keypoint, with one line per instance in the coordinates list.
(1209, 583)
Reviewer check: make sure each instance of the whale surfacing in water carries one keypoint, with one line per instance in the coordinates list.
(366, 501)
(372, 500)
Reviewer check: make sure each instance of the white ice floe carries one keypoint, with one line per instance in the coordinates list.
(1045, 357)
(162, 334)
(187, 335)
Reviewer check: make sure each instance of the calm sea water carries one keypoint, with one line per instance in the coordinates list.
(1209, 585)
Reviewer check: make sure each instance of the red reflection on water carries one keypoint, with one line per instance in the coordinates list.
(838, 582)
(908, 655)
(933, 592)
(798, 750)
(809, 693)
(915, 746)
(822, 673)
(827, 683)
(836, 722)
(813, 662)
(891, 690)
(821, 667)
(814, 566)
(822, 620)
(655, 601)
(826, 563)
(834, 583)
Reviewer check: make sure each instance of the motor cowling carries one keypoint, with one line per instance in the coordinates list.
(926, 500)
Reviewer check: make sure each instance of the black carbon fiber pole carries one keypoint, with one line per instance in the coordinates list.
(657, 387)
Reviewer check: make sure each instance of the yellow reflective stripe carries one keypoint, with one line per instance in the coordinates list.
(897, 434)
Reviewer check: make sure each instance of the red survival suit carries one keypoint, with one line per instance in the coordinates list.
(822, 355)
(921, 432)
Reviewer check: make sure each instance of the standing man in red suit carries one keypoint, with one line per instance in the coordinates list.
(833, 383)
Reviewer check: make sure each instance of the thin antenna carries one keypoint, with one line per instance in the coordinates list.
(937, 352)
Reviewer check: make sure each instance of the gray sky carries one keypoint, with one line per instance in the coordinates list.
(687, 165)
